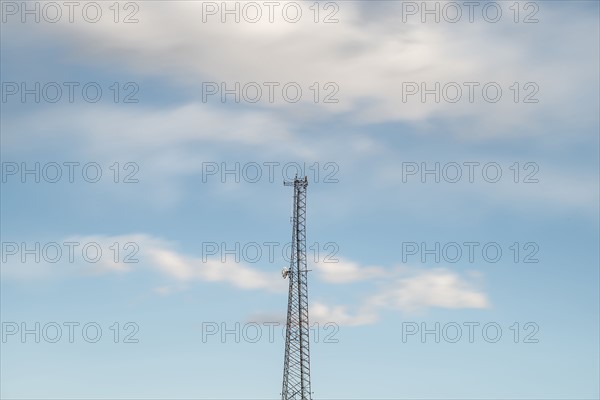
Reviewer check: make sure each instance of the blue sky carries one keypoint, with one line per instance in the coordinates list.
(369, 137)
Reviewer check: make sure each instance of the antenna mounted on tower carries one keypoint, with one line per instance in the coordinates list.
(296, 369)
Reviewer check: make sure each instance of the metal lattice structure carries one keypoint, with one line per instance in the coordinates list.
(296, 369)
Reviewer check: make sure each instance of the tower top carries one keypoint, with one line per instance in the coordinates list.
(297, 181)
(296, 370)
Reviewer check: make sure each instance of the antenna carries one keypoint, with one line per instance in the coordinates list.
(296, 368)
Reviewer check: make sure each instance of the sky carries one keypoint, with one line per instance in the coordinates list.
(452, 155)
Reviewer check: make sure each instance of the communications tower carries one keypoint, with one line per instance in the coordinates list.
(296, 369)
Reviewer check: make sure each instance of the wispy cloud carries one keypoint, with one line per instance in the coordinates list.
(403, 289)
(408, 290)
(322, 314)
(150, 254)
(369, 61)
(435, 288)
(346, 271)
(189, 269)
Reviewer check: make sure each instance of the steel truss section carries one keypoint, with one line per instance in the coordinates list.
(296, 370)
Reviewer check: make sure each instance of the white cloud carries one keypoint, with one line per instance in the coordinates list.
(346, 271)
(168, 144)
(557, 186)
(149, 130)
(322, 314)
(422, 289)
(411, 290)
(188, 269)
(404, 289)
(151, 254)
(408, 290)
(369, 58)
(369, 55)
